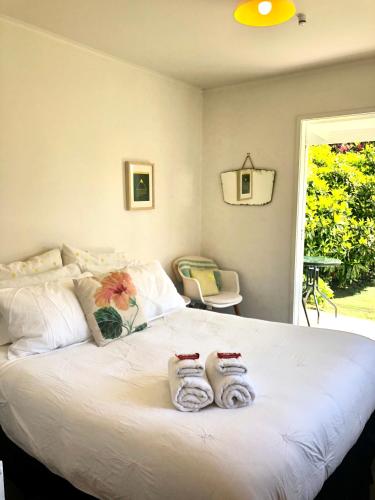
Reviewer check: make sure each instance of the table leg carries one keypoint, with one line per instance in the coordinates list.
(305, 298)
(316, 305)
(328, 300)
(305, 309)
(315, 287)
(312, 285)
(306, 293)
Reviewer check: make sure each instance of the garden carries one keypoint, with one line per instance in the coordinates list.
(340, 223)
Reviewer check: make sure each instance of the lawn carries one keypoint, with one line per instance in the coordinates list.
(358, 303)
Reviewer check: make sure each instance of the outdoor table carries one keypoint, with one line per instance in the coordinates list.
(311, 266)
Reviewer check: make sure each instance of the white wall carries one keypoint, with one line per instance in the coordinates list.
(262, 117)
(69, 117)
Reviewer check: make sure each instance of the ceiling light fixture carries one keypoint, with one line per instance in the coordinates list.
(264, 8)
(264, 13)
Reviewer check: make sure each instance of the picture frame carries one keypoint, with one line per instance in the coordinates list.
(244, 184)
(139, 179)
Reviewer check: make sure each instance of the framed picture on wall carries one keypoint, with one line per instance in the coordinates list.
(244, 184)
(139, 178)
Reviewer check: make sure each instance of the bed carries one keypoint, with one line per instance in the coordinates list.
(102, 417)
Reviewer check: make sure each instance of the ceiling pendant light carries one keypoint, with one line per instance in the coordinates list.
(264, 12)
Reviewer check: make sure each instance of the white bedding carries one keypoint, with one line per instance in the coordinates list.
(102, 417)
(3, 354)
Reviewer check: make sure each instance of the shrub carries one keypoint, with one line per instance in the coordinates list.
(340, 210)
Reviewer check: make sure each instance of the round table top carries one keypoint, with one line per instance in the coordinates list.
(321, 261)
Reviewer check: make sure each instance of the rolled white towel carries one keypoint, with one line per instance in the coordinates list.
(187, 365)
(231, 364)
(188, 393)
(232, 389)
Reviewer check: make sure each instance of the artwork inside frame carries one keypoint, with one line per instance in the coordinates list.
(244, 184)
(139, 178)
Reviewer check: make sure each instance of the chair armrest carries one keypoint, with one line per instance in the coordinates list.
(192, 289)
(230, 281)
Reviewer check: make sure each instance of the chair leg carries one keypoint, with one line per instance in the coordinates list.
(237, 309)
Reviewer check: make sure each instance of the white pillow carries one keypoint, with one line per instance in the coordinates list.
(42, 318)
(70, 271)
(38, 264)
(63, 272)
(4, 335)
(156, 290)
(95, 262)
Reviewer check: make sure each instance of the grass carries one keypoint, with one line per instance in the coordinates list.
(355, 302)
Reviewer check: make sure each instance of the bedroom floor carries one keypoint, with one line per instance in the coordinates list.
(12, 492)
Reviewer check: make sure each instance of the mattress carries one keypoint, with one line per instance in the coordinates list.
(102, 417)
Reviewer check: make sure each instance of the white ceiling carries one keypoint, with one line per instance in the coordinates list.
(349, 128)
(198, 41)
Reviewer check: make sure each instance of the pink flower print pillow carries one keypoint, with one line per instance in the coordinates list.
(111, 306)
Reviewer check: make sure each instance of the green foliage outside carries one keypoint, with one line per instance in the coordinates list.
(340, 210)
(355, 302)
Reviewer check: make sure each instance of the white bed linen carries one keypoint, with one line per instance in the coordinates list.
(103, 419)
(3, 354)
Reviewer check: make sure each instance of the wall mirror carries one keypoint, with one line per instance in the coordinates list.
(248, 186)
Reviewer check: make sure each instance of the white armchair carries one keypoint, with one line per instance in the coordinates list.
(229, 287)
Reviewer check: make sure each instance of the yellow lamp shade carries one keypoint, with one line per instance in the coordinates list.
(264, 13)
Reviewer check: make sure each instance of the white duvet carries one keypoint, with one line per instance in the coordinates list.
(103, 419)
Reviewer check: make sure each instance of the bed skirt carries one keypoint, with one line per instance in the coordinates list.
(350, 481)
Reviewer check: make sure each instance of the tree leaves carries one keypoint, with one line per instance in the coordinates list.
(109, 322)
(340, 210)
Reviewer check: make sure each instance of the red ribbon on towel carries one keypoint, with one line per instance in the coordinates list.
(228, 355)
(181, 357)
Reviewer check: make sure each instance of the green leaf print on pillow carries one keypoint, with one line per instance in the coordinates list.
(109, 322)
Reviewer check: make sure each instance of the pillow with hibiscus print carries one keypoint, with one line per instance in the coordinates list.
(110, 305)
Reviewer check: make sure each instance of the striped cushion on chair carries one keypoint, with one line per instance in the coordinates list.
(185, 264)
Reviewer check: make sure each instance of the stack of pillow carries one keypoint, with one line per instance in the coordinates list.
(61, 298)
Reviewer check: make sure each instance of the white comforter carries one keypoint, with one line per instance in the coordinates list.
(102, 417)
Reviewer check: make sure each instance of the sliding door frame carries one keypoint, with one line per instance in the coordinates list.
(302, 148)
